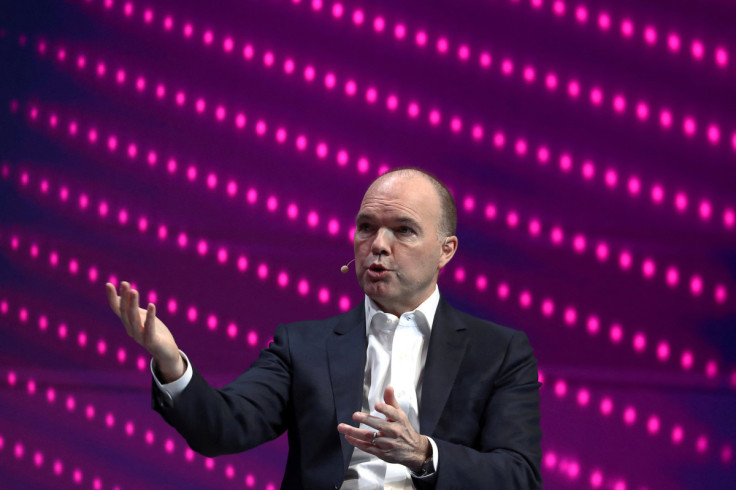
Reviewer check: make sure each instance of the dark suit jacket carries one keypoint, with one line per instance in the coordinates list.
(480, 402)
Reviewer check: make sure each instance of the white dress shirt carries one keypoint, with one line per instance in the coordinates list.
(401, 367)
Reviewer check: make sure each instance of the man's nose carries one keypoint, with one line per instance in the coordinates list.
(381, 242)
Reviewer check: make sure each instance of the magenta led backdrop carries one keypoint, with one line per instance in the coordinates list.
(215, 154)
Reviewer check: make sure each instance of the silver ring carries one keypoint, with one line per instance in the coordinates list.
(373, 441)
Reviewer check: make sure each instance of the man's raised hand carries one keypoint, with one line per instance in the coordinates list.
(147, 330)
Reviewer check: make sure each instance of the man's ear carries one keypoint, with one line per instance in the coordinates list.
(449, 247)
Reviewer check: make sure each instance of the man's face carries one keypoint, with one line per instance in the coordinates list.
(398, 252)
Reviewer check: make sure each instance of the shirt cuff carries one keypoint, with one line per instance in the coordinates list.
(174, 388)
(435, 461)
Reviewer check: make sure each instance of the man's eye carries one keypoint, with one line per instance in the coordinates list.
(405, 230)
(364, 227)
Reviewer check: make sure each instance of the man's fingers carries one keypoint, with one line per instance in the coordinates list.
(390, 398)
(362, 435)
(149, 327)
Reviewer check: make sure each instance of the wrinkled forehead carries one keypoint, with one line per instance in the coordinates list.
(401, 194)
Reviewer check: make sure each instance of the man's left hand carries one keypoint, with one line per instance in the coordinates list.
(395, 439)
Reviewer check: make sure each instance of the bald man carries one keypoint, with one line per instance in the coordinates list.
(403, 391)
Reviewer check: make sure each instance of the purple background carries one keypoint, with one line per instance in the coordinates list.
(593, 160)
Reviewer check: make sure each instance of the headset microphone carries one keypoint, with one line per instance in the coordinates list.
(344, 269)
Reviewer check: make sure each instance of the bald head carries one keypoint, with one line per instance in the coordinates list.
(447, 225)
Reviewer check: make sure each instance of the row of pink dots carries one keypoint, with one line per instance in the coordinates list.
(571, 317)
(630, 416)
(221, 113)
(619, 103)
(589, 171)
(571, 468)
(231, 188)
(202, 246)
(581, 244)
(557, 234)
(626, 27)
(111, 420)
(21, 450)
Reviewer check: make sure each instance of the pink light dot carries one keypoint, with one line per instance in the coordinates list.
(665, 118)
(248, 52)
(688, 126)
(499, 139)
(120, 76)
(169, 446)
(469, 203)
(697, 49)
(54, 259)
(490, 212)
(616, 333)
(272, 203)
(211, 322)
(312, 219)
(581, 14)
(344, 303)
(89, 412)
(721, 57)
(250, 481)
(727, 454)
(648, 268)
(192, 314)
(634, 186)
(73, 128)
(232, 330)
(228, 45)
(31, 387)
(358, 17)
(421, 38)
(109, 420)
(548, 307)
(560, 388)
(507, 67)
(601, 252)
(570, 316)
(260, 127)
(162, 232)
(323, 295)
(550, 460)
(604, 21)
(525, 299)
(262, 271)
(704, 210)
(650, 35)
(714, 134)
(188, 30)
(283, 279)
(392, 102)
(63, 331)
(12, 378)
(23, 315)
(640, 342)
(82, 339)
(596, 479)
(38, 459)
(220, 113)
(321, 150)
(642, 111)
(168, 23)
(720, 294)
(593, 325)
(189, 455)
(292, 211)
(121, 355)
(680, 202)
(379, 24)
(573, 470)
(71, 404)
(535, 227)
(503, 291)
(101, 347)
(232, 188)
(627, 28)
(309, 73)
(140, 363)
(350, 88)
(148, 437)
(625, 260)
(556, 235)
(301, 142)
(400, 31)
(696, 285)
(512, 219)
(456, 124)
(536, 3)
(434, 117)
(485, 60)
(701, 444)
(58, 467)
(337, 10)
(477, 132)
(202, 247)
(268, 59)
(578, 243)
(565, 162)
(606, 406)
(171, 165)
(529, 74)
(521, 147)
(653, 424)
(678, 434)
(558, 8)
(583, 397)
(611, 178)
(442, 45)
(333, 227)
(18, 450)
(672, 276)
(711, 369)
(242, 263)
(289, 66)
(687, 360)
(673, 42)
(619, 103)
(43, 323)
(596, 96)
(481, 283)
(463, 53)
(251, 196)
(460, 274)
(252, 338)
(663, 351)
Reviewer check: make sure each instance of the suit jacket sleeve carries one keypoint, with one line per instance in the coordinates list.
(488, 435)
(249, 411)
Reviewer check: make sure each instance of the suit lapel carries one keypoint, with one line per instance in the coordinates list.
(447, 346)
(346, 351)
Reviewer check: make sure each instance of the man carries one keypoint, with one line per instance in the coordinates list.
(403, 391)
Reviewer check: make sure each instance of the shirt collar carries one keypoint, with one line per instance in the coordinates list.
(426, 310)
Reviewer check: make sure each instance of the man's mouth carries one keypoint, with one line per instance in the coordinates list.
(377, 271)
